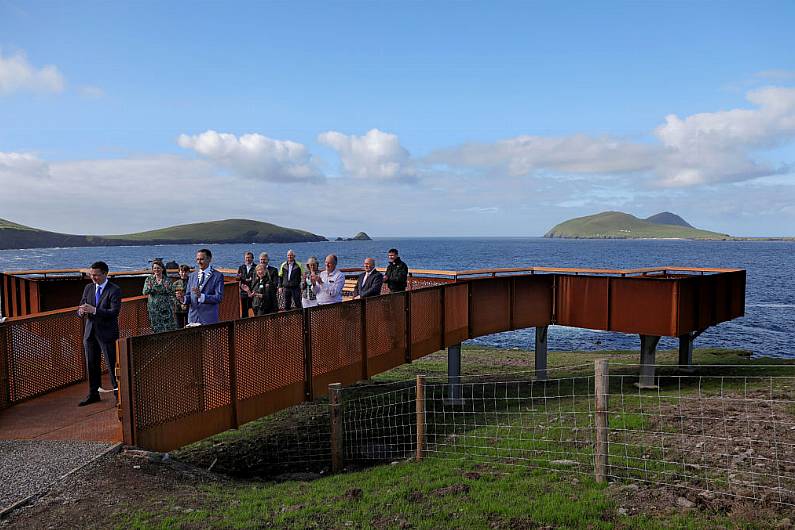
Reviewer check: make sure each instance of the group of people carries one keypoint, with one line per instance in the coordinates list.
(194, 297)
(305, 285)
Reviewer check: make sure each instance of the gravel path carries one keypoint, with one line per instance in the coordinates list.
(27, 466)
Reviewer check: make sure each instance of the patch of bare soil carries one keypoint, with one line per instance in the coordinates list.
(733, 454)
(102, 493)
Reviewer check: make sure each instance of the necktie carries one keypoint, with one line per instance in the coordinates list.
(98, 294)
(201, 279)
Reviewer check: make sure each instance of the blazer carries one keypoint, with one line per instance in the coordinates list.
(105, 322)
(370, 288)
(247, 277)
(206, 311)
(294, 279)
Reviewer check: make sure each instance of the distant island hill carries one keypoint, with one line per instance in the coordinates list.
(619, 225)
(17, 236)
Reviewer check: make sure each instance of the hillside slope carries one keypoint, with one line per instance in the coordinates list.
(13, 235)
(619, 225)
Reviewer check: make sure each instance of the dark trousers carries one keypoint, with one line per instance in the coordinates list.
(245, 305)
(292, 298)
(94, 349)
(182, 319)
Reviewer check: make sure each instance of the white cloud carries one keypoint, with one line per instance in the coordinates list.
(704, 148)
(525, 155)
(255, 156)
(17, 74)
(718, 146)
(375, 155)
(21, 166)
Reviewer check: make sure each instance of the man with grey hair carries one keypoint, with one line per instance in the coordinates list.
(329, 283)
(369, 282)
(290, 274)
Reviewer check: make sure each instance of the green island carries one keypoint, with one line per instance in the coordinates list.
(17, 236)
(620, 225)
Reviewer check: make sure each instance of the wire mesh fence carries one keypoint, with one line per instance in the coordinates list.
(718, 432)
(713, 434)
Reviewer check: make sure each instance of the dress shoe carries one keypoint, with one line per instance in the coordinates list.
(94, 398)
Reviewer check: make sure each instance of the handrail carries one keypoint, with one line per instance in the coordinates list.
(434, 272)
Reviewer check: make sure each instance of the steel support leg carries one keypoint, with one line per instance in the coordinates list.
(648, 352)
(541, 353)
(454, 396)
(686, 352)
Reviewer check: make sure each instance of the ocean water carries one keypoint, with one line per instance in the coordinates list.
(767, 329)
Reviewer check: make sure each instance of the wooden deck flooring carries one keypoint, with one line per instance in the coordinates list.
(56, 416)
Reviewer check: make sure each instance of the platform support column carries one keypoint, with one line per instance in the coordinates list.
(686, 352)
(541, 353)
(454, 394)
(648, 353)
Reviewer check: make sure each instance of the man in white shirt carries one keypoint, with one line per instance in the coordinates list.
(329, 283)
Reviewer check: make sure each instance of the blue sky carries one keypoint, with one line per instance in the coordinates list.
(399, 118)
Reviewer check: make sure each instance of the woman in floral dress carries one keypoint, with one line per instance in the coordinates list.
(159, 288)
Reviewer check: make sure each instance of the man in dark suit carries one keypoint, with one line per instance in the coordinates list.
(245, 276)
(291, 272)
(100, 306)
(369, 282)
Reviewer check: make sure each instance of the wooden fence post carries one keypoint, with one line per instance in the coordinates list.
(420, 416)
(601, 393)
(337, 460)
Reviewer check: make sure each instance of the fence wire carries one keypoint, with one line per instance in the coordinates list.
(730, 435)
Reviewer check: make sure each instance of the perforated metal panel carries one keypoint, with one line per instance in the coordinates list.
(5, 379)
(269, 355)
(44, 353)
(179, 374)
(230, 305)
(386, 332)
(335, 335)
(134, 318)
(426, 321)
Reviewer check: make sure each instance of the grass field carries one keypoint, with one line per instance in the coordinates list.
(459, 487)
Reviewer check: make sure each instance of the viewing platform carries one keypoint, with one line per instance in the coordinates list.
(182, 386)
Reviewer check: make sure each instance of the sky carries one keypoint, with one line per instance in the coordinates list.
(396, 118)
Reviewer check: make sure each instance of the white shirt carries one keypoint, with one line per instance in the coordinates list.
(203, 280)
(330, 291)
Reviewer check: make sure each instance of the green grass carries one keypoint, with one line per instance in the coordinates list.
(499, 481)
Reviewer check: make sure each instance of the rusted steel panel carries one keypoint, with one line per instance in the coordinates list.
(179, 375)
(5, 379)
(582, 301)
(44, 354)
(456, 314)
(386, 333)
(737, 293)
(269, 364)
(491, 306)
(706, 298)
(335, 335)
(230, 305)
(687, 301)
(646, 306)
(426, 332)
(532, 300)
(126, 394)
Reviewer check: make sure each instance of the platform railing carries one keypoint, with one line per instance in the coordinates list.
(185, 385)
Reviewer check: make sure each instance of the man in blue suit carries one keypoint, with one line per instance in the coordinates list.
(205, 290)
